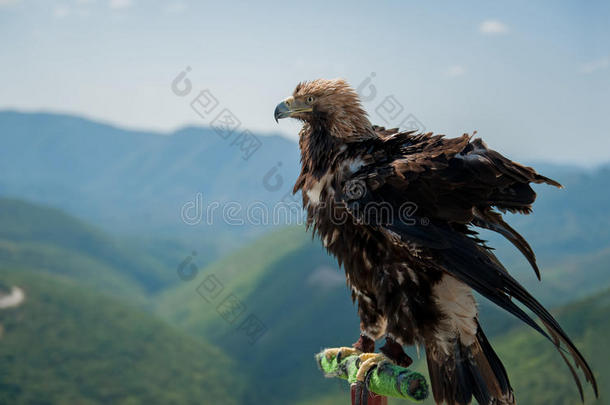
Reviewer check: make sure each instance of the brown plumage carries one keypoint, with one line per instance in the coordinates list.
(398, 210)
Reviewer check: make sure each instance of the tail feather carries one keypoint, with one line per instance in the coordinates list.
(494, 361)
(468, 372)
(475, 267)
(488, 219)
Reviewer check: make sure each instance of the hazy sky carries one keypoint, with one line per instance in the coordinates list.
(532, 77)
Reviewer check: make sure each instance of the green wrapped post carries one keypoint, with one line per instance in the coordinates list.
(386, 379)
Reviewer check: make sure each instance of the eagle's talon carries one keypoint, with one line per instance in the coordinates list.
(368, 361)
(340, 352)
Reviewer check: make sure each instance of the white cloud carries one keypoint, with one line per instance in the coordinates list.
(595, 65)
(120, 4)
(493, 27)
(455, 71)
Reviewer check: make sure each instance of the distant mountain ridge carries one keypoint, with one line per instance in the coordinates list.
(135, 181)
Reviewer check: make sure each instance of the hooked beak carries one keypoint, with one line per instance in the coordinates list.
(290, 107)
(281, 111)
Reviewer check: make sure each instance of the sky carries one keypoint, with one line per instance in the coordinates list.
(533, 78)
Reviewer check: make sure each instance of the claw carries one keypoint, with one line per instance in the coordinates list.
(365, 364)
(340, 352)
(362, 396)
(368, 361)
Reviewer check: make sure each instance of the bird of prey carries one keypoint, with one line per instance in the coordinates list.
(398, 209)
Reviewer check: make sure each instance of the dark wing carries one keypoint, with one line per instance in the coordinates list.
(454, 182)
(461, 181)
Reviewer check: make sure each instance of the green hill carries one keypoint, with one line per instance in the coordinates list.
(49, 240)
(537, 371)
(294, 288)
(67, 345)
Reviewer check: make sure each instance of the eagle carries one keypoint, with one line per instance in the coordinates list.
(399, 211)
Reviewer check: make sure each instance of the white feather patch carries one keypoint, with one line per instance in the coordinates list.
(330, 239)
(314, 192)
(457, 304)
(360, 295)
(354, 164)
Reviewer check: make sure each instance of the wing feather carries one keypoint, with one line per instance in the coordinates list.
(455, 183)
(459, 180)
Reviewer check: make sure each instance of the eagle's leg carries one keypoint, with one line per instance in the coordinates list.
(372, 323)
(394, 352)
(363, 345)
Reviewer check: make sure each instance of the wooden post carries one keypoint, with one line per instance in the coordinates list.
(374, 399)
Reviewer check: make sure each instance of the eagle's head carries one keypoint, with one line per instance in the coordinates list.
(332, 104)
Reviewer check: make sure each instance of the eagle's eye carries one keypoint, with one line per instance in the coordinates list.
(309, 100)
